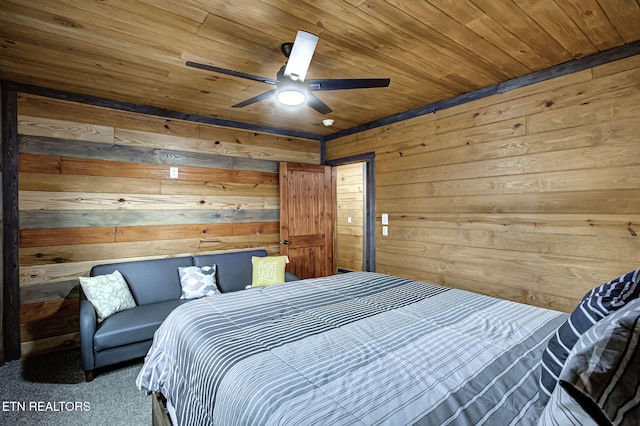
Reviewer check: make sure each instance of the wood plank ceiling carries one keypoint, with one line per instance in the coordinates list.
(135, 50)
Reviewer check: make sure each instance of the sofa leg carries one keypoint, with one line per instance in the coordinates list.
(88, 375)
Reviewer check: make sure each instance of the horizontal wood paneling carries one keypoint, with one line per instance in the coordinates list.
(46, 237)
(33, 219)
(90, 167)
(432, 50)
(44, 256)
(55, 201)
(61, 129)
(350, 186)
(94, 187)
(238, 147)
(530, 195)
(81, 183)
(73, 236)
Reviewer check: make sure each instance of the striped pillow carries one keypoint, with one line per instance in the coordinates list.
(595, 305)
(564, 409)
(601, 377)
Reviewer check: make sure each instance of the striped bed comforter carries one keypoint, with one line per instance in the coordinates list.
(357, 348)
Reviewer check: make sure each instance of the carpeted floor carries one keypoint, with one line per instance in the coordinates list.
(51, 390)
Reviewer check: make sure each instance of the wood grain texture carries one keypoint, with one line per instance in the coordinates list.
(57, 119)
(57, 290)
(46, 145)
(56, 201)
(530, 195)
(433, 50)
(83, 184)
(307, 224)
(63, 275)
(10, 265)
(130, 56)
(91, 167)
(57, 343)
(88, 252)
(55, 309)
(37, 219)
(37, 126)
(350, 186)
(66, 236)
(87, 197)
(95, 235)
(3, 97)
(214, 145)
(49, 327)
(208, 188)
(40, 164)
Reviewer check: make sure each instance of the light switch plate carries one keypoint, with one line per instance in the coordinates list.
(348, 219)
(173, 173)
(385, 219)
(385, 231)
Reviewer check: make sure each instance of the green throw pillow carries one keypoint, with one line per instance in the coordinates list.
(108, 294)
(268, 270)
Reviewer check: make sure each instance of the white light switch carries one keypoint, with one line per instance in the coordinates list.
(173, 173)
(385, 219)
(348, 219)
(385, 231)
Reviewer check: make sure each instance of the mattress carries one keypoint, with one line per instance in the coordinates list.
(356, 348)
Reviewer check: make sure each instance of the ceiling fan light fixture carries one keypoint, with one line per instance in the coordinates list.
(291, 92)
(291, 97)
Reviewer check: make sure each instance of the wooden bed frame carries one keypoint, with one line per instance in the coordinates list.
(159, 413)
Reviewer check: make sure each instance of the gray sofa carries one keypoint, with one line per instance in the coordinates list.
(155, 286)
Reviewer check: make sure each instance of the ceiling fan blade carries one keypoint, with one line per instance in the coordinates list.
(255, 99)
(348, 83)
(315, 103)
(230, 72)
(301, 54)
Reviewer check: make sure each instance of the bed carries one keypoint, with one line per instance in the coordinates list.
(356, 348)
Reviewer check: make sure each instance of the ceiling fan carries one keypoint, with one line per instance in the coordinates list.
(291, 87)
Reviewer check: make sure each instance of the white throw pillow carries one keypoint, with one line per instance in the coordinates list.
(108, 294)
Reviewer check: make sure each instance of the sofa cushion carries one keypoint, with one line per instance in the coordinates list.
(133, 325)
(150, 281)
(234, 271)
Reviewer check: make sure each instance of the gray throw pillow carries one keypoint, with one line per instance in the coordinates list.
(198, 281)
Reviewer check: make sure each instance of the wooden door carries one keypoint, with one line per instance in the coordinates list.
(307, 218)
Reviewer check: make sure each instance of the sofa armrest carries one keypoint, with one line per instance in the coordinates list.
(88, 323)
(288, 276)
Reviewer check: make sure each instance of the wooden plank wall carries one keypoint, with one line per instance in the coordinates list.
(531, 195)
(350, 187)
(2, 130)
(94, 187)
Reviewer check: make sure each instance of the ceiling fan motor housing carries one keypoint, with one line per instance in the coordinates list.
(285, 48)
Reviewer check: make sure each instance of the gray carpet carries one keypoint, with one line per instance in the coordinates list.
(51, 390)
